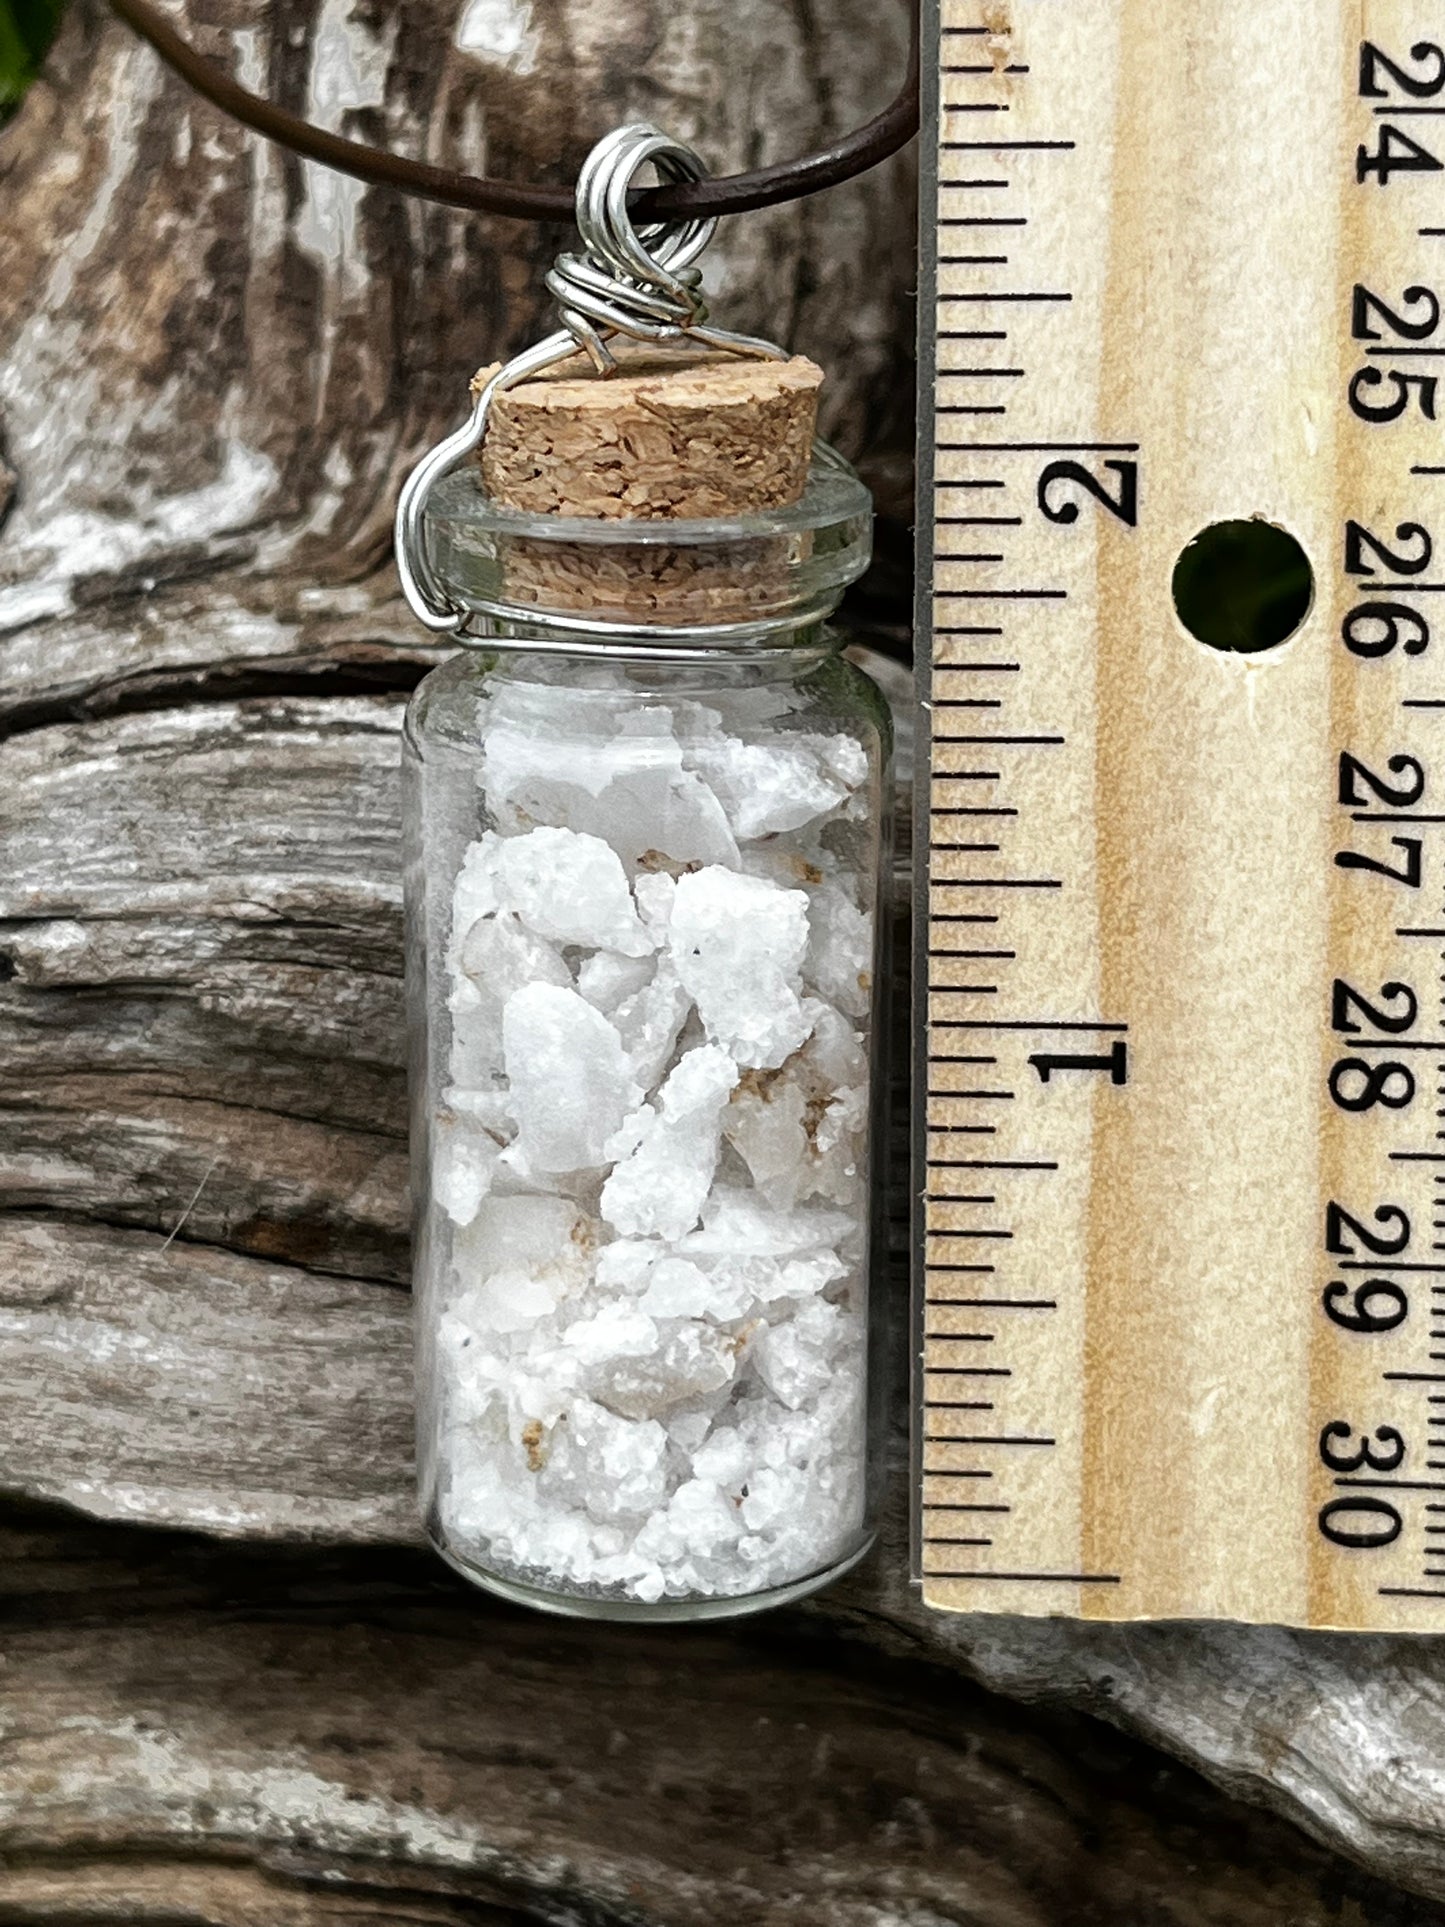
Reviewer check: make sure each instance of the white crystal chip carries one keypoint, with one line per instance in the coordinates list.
(628, 786)
(666, 1153)
(782, 784)
(569, 1079)
(565, 885)
(737, 944)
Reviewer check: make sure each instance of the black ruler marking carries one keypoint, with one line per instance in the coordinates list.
(1008, 601)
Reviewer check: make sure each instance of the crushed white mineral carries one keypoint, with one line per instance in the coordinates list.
(649, 1166)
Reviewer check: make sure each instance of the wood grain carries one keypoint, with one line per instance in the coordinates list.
(159, 1383)
(217, 362)
(194, 1735)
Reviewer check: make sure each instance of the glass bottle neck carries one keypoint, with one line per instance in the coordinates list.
(752, 586)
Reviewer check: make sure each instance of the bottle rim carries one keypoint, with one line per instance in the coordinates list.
(619, 586)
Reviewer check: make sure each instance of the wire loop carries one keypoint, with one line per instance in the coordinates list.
(637, 281)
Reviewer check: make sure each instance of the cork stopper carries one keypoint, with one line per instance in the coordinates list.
(682, 434)
(681, 497)
(677, 434)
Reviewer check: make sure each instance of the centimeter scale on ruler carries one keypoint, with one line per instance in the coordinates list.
(1181, 965)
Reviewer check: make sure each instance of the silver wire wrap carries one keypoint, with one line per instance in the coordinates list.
(626, 281)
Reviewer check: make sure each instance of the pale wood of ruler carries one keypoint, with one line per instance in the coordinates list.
(1158, 1430)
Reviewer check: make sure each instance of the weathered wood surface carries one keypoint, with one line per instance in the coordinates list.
(215, 365)
(285, 1742)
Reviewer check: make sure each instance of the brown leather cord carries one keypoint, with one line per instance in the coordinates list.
(854, 154)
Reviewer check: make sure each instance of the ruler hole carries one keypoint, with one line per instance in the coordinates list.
(1243, 586)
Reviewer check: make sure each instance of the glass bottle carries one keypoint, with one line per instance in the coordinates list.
(647, 845)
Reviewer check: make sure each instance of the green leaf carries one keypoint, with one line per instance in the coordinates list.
(27, 28)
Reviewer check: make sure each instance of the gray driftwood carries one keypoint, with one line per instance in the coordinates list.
(215, 366)
(300, 1740)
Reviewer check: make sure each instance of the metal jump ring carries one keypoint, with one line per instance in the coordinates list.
(606, 228)
(639, 282)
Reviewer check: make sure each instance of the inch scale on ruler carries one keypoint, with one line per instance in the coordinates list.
(1181, 956)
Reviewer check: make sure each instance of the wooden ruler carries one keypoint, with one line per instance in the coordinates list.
(1182, 1064)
